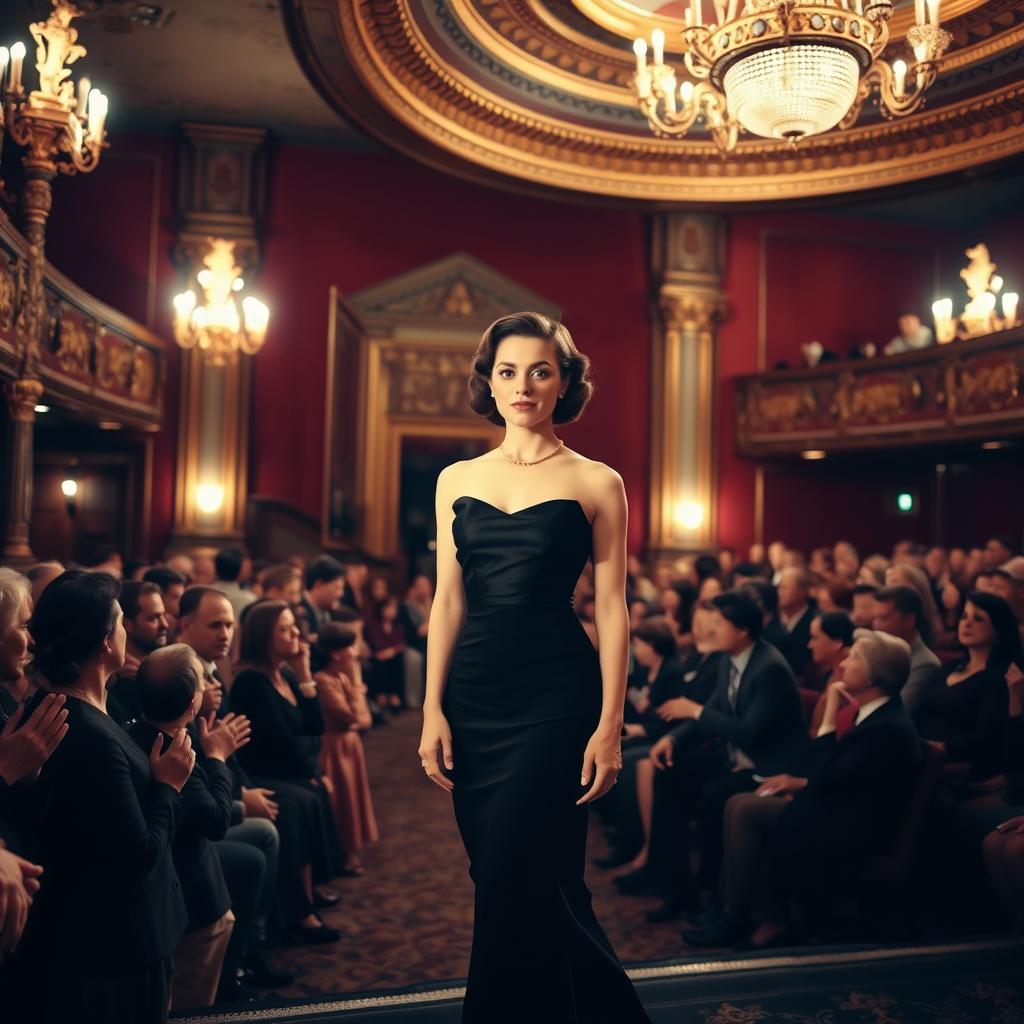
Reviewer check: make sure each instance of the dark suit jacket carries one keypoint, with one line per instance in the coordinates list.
(857, 791)
(111, 894)
(767, 723)
(695, 677)
(774, 632)
(794, 643)
(207, 815)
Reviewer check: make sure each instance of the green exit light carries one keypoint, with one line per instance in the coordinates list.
(905, 501)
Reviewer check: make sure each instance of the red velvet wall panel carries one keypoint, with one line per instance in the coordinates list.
(353, 220)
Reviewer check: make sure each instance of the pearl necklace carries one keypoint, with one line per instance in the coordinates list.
(524, 462)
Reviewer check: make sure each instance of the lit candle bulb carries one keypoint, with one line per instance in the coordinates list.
(658, 44)
(919, 12)
(996, 283)
(945, 329)
(688, 17)
(933, 12)
(17, 56)
(83, 98)
(695, 7)
(899, 74)
(1010, 308)
(5, 58)
(97, 114)
(640, 50)
(686, 93)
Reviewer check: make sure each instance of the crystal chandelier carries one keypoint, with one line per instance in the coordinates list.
(785, 69)
(215, 326)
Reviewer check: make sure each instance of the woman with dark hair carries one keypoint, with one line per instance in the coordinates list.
(830, 642)
(275, 690)
(109, 912)
(964, 706)
(520, 709)
(346, 714)
(385, 635)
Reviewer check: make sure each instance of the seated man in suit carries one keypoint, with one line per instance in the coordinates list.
(821, 828)
(751, 724)
(899, 612)
(795, 614)
(169, 684)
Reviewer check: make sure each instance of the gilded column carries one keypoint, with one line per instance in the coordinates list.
(221, 195)
(687, 260)
(22, 397)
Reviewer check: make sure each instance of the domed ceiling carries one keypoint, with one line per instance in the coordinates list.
(538, 95)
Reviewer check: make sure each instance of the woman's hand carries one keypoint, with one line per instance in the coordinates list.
(174, 766)
(24, 751)
(220, 738)
(299, 662)
(604, 752)
(437, 735)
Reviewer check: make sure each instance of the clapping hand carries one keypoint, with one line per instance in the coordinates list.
(24, 751)
(19, 882)
(175, 764)
(222, 737)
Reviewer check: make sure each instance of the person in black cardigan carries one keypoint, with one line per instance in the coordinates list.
(276, 691)
(817, 830)
(169, 685)
(99, 940)
(754, 724)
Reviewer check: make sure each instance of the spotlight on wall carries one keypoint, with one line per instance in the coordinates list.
(209, 498)
(689, 514)
(813, 454)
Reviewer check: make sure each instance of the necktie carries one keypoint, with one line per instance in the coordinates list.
(734, 684)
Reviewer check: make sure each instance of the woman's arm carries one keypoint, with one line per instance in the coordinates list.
(338, 712)
(611, 616)
(449, 607)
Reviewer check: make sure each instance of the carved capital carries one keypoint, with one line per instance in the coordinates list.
(22, 398)
(692, 311)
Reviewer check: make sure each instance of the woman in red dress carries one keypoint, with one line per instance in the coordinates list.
(346, 714)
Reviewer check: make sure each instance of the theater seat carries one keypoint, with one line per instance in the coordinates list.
(897, 866)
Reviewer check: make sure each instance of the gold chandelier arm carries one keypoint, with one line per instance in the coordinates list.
(724, 129)
(868, 81)
(698, 57)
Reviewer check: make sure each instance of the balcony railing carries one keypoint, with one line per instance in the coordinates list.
(961, 391)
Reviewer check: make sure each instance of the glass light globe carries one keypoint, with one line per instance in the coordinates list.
(791, 91)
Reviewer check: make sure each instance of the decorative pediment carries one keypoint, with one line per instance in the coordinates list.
(458, 292)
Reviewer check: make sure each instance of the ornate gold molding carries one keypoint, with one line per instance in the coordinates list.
(413, 96)
(22, 398)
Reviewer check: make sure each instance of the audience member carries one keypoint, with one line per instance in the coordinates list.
(104, 924)
(863, 611)
(898, 612)
(278, 694)
(325, 582)
(169, 685)
(386, 637)
(795, 614)
(145, 626)
(816, 832)
(346, 715)
(172, 586)
(229, 565)
(41, 576)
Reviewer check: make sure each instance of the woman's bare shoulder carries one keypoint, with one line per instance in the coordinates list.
(456, 474)
(597, 475)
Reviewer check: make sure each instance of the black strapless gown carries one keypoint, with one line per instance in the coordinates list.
(523, 697)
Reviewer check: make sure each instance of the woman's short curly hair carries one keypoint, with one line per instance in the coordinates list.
(573, 365)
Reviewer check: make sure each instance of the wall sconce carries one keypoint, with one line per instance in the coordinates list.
(209, 498)
(979, 316)
(689, 514)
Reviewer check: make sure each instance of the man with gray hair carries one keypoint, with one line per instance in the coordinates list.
(819, 831)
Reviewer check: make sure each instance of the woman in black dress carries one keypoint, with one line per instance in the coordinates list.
(109, 910)
(964, 706)
(520, 710)
(276, 692)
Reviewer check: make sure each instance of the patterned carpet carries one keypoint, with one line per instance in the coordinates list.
(409, 919)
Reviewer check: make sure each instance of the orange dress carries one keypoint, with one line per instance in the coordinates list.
(343, 761)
